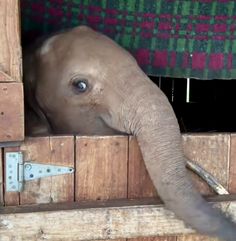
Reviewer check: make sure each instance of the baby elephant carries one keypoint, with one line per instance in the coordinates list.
(80, 81)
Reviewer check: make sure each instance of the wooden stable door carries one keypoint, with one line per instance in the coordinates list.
(107, 168)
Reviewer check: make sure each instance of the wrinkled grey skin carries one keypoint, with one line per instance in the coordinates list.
(119, 97)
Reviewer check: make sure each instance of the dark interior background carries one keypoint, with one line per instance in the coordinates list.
(210, 107)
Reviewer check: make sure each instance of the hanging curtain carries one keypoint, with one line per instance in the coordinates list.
(168, 38)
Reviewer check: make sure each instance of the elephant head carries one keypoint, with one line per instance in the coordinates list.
(85, 83)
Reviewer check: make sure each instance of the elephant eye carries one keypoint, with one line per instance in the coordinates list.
(81, 85)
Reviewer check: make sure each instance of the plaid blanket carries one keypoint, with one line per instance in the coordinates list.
(167, 37)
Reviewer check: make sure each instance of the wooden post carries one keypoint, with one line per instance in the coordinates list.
(11, 87)
(10, 47)
(11, 112)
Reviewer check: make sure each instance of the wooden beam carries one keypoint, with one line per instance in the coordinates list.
(11, 112)
(103, 221)
(10, 46)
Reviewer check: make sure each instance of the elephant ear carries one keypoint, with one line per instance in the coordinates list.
(36, 122)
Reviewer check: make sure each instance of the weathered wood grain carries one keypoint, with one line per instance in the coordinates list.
(92, 223)
(49, 150)
(160, 238)
(195, 237)
(11, 112)
(140, 184)
(163, 238)
(10, 50)
(1, 179)
(97, 161)
(211, 151)
(101, 167)
(232, 170)
(5, 77)
(121, 202)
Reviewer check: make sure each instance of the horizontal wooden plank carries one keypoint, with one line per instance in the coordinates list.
(195, 237)
(10, 51)
(95, 223)
(11, 112)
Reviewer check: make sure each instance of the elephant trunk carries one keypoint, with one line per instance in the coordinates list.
(154, 124)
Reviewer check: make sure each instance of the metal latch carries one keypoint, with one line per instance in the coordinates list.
(18, 171)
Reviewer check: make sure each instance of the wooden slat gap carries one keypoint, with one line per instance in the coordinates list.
(116, 203)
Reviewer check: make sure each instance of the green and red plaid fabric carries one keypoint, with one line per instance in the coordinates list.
(168, 38)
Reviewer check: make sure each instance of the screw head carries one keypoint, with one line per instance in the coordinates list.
(28, 167)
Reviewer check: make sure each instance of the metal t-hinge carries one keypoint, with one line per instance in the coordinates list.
(18, 171)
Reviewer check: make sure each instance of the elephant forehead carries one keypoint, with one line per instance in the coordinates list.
(83, 52)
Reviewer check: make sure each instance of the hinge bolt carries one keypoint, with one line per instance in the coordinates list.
(28, 166)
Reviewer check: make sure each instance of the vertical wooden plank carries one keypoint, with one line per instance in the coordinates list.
(53, 150)
(11, 112)
(232, 170)
(211, 151)
(1, 179)
(10, 50)
(101, 167)
(139, 182)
